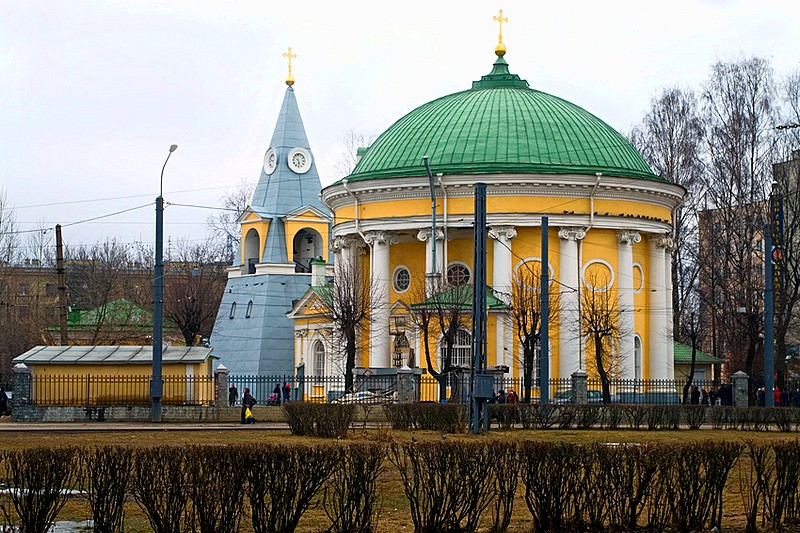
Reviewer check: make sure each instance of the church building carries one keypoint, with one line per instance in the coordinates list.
(610, 221)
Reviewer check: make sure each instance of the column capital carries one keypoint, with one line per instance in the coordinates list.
(629, 237)
(381, 237)
(345, 241)
(424, 234)
(663, 240)
(502, 232)
(571, 233)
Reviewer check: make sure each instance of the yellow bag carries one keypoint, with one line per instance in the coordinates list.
(247, 413)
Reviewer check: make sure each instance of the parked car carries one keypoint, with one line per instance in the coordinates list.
(564, 397)
(366, 397)
(647, 398)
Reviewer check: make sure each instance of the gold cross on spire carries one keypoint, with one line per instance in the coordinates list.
(289, 55)
(500, 49)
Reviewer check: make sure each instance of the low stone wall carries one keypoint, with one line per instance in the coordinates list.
(169, 413)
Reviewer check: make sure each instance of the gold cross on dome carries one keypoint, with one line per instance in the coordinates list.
(501, 20)
(289, 55)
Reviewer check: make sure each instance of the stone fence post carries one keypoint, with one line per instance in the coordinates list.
(406, 386)
(221, 377)
(741, 389)
(22, 381)
(580, 387)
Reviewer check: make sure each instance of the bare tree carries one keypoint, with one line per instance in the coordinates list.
(193, 287)
(670, 137)
(348, 159)
(224, 226)
(348, 301)
(9, 238)
(526, 314)
(600, 325)
(101, 274)
(446, 310)
(40, 245)
(739, 114)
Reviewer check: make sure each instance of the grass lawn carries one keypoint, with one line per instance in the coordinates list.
(394, 514)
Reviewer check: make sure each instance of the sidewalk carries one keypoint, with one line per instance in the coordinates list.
(8, 427)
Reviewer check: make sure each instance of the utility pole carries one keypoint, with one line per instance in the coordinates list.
(62, 287)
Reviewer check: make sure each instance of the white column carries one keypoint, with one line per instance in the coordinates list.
(669, 304)
(424, 235)
(569, 334)
(502, 261)
(625, 288)
(659, 367)
(502, 283)
(380, 355)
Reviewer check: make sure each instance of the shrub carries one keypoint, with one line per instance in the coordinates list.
(694, 415)
(612, 416)
(351, 499)
(282, 482)
(159, 486)
(442, 417)
(506, 414)
(538, 416)
(215, 487)
(565, 416)
(40, 478)
(635, 415)
(448, 484)
(550, 474)
(319, 420)
(587, 416)
(104, 482)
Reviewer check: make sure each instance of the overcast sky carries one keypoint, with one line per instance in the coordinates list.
(92, 93)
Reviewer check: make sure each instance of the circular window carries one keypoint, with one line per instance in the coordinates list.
(638, 278)
(401, 279)
(458, 274)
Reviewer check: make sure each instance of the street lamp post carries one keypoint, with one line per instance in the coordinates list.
(156, 383)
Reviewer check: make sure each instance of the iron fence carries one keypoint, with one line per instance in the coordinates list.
(119, 390)
(662, 391)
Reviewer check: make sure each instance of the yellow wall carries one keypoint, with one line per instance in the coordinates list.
(308, 220)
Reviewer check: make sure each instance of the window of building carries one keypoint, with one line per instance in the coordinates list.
(401, 279)
(637, 357)
(462, 349)
(319, 358)
(249, 309)
(50, 289)
(458, 274)
(233, 310)
(536, 359)
(23, 289)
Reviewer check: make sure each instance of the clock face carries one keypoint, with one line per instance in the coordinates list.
(270, 161)
(299, 160)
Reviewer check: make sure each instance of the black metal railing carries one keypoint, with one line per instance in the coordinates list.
(118, 390)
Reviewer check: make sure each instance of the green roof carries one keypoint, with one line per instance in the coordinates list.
(683, 355)
(501, 126)
(460, 296)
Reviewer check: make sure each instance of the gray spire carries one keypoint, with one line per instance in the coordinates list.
(286, 190)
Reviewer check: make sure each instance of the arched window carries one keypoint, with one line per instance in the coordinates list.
(249, 309)
(233, 310)
(536, 362)
(462, 349)
(252, 250)
(319, 359)
(306, 245)
(637, 357)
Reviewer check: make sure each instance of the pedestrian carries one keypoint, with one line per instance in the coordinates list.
(500, 397)
(704, 394)
(247, 405)
(694, 398)
(511, 396)
(233, 395)
(286, 391)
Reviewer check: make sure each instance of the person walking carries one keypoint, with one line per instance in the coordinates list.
(233, 395)
(247, 404)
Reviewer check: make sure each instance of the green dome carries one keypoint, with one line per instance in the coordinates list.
(501, 126)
